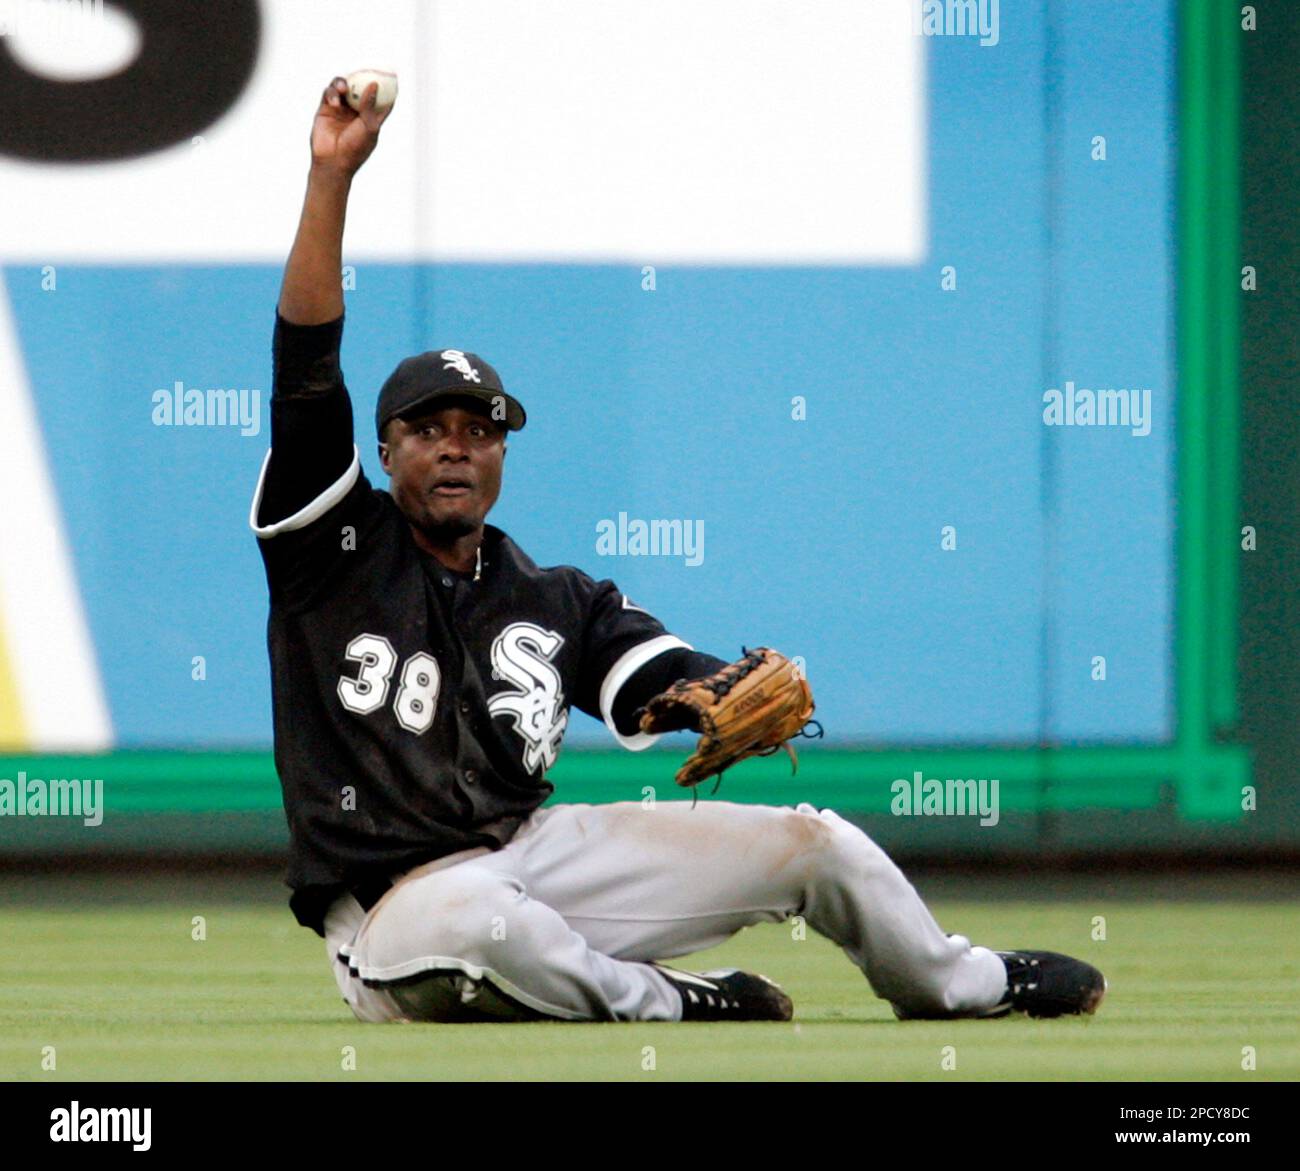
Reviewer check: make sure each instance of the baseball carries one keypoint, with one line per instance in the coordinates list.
(361, 78)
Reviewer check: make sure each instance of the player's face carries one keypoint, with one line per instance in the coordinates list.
(446, 468)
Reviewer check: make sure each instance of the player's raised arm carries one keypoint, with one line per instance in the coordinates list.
(313, 462)
(341, 141)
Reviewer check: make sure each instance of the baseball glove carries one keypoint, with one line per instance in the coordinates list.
(751, 707)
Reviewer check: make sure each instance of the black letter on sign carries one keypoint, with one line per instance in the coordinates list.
(195, 60)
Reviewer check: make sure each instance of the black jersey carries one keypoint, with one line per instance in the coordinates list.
(416, 709)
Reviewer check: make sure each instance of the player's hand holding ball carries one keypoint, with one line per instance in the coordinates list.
(351, 111)
(385, 88)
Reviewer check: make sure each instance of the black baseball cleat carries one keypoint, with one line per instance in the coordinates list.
(728, 995)
(1045, 984)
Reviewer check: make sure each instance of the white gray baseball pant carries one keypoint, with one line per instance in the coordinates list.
(560, 923)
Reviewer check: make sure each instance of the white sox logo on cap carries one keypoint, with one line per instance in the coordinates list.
(457, 361)
(422, 379)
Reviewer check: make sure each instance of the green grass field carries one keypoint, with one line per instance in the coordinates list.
(104, 969)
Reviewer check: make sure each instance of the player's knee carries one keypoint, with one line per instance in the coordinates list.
(473, 921)
(808, 832)
(462, 918)
(832, 845)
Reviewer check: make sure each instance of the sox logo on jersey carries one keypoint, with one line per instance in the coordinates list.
(522, 654)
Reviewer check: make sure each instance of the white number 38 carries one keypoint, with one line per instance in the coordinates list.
(417, 694)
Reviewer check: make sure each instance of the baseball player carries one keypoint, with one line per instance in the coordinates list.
(423, 667)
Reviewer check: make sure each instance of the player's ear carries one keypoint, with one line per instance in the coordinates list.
(383, 459)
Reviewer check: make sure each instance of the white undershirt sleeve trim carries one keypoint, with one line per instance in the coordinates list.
(621, 672)
(313, 511)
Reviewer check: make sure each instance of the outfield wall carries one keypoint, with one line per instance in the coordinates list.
(919, 412)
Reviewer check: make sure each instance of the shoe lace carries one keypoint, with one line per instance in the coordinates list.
(1022, 974)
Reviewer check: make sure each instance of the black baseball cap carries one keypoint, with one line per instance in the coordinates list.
(420, 380)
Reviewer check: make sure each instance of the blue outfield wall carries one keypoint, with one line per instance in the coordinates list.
(821, 536)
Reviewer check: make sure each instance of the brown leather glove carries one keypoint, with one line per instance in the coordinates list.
(751, 707)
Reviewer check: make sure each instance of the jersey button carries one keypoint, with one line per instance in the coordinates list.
(471, 776)
(464, 707)
(447, 582)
